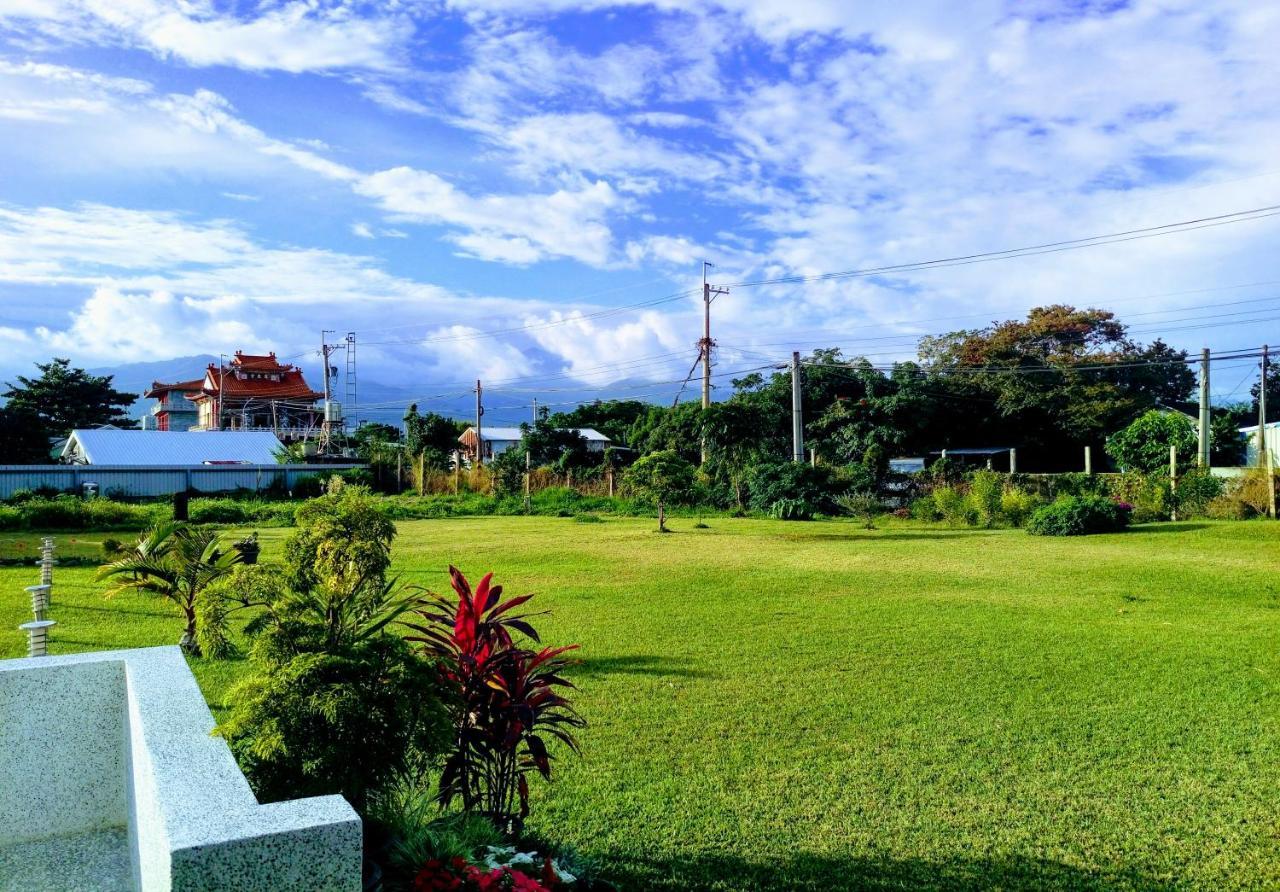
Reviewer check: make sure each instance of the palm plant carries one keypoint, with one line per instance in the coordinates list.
(176, 561)
(506, 698)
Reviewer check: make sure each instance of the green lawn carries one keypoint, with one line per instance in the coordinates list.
(815, 706)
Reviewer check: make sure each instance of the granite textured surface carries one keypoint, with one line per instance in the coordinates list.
(192, 820)
(98, 860)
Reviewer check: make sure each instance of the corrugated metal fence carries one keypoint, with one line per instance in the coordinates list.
(138, 481)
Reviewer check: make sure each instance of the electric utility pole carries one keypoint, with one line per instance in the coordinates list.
(1264, 450)
(709, 293)
(1204, 407)
(479, 430)
(797, 417)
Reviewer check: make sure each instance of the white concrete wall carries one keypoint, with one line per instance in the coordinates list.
(134, 726)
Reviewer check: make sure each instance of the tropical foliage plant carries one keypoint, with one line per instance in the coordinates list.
(178, 562)
(506, 700)
(335, 702)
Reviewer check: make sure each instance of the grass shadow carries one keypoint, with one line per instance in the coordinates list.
(637, 664)
(71, 608)
(825, 874)
(864, 535)
(1167, 526)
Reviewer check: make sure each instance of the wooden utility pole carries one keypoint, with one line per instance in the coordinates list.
(479, 429)
(797, 410)
(1203, 459)
(1264, 449)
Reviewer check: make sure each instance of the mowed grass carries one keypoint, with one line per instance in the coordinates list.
(815, 706)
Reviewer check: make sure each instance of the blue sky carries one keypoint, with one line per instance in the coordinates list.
(197, 177)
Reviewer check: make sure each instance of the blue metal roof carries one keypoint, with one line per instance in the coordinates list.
(171, 448)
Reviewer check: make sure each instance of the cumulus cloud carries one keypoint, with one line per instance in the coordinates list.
(294, 36)
(569, 222)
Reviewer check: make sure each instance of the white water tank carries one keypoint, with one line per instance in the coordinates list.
(333, 411)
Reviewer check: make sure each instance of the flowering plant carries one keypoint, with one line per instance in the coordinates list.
(459, 876)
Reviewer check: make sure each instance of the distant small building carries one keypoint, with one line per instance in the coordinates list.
(498, 440)
(1250, 435)
(173, 409)
(171, 448)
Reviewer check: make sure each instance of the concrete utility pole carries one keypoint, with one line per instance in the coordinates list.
(1173, 480)
(797, 410)
(1088, 459)
(1013, 461)
(1264, 450)
(709, 293)
(1204, 408)
(1262, 410)
(479, 429)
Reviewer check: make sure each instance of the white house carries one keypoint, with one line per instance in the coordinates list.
(498, 440)
(171, 448)
(1250, 435)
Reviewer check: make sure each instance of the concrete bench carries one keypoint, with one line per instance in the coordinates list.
(110, 779)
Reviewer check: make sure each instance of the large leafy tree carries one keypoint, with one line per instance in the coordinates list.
(24, 440)
(63, 398)
(1061, 378)
(431, 436)
(613, 418)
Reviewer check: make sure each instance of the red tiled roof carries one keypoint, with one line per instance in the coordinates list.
(159, 388)
(256, 363)
(290, 386)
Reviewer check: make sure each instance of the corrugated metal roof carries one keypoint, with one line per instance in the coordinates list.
(513, 434)
(171, 448)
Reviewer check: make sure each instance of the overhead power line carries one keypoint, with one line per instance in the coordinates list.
(1029, 250)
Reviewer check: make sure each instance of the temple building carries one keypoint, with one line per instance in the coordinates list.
(249, 393)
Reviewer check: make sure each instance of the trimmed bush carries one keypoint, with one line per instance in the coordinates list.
(792, 509)
(1079, 516)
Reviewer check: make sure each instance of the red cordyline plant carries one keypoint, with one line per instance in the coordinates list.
(507, 698)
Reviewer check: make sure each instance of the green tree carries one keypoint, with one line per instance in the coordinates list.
(1227, 446)
(335, 703)
(178, 562)
(1144, 444)
(613, 418)
(663, 477)
(431, 436)
(24, 439)
(63, 399)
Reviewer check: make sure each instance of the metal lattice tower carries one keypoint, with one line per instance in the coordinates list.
(349, 416)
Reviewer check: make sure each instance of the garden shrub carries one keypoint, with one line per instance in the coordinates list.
(1079, 516)
(1196, 489)
(792, 509)
(986, 489)
(1144, 444)
(924, 508)
(335, 703)
(1252, 491)
(772, 482)
(1016, 504)
(11, 518)
(953, 505)
(1077, 483)
(1227, 507)
(863, 505)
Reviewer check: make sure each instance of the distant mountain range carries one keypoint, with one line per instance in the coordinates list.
(377, 401)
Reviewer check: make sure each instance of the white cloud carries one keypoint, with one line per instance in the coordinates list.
(294, 35)
(145, 325)
(362, 230)
(569, 222)
(455, 348)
